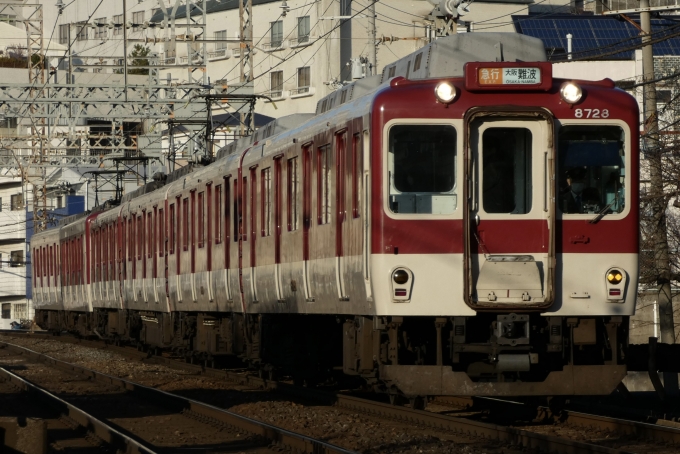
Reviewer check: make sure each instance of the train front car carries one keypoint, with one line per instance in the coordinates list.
(504, 235)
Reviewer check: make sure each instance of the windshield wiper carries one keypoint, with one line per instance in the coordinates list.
(604, 210)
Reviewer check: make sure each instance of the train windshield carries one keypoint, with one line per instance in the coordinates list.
(591, 169)
(421, 165)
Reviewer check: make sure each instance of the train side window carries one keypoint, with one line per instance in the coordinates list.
(292, 194)
(253, 204)
(172, 229)
(591, 169)
(218, 212)
(201, 219)
(244, 209)
(150, 234)
(506, 170)
(421, 169)
(140, 242)
(266, 208)
(323, 185)
(185, 224)
(237, 213)
(160, 225)
(356, 174)
(131, 238)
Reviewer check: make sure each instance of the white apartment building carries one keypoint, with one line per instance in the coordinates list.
(13, 303)
(301, 54)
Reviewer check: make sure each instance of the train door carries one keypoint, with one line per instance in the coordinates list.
(341, 212)
(277, 225)
(510, 234)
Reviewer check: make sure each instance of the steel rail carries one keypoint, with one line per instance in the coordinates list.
(205, 412)
(652, 432)
(103, 431)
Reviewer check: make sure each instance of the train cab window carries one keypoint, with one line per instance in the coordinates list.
(591, 169)
(506, 170)
(421, 166)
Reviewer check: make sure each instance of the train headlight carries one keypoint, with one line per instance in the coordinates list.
(445, 92)
(400, 276)
(614, 276)
(571, 92)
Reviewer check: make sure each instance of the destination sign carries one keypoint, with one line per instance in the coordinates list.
(509, 76)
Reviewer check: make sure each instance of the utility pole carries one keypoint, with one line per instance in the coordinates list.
(372, 36)
(125, 45)
(659, 203)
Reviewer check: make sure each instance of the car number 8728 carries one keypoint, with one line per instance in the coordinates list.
(591, 113)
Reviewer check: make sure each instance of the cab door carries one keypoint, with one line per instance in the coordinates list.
(510, 205)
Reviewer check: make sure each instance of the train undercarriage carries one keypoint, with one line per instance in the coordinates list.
(489, 354)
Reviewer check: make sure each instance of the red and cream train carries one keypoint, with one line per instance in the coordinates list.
(450, 227)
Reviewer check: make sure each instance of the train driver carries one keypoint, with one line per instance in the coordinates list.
(574, 195)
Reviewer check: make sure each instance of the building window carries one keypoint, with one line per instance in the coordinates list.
(266, 191)
(60, 201)
(276, 34)
(137, 20)
(81, 34)
(8, 123)
(16, 259)
(303, 29)
(276, 80)
(6, 310)
(303, 79)
(100, 29)
(324, 184)
(293, 187)
(10, 19)
(220, 38)
(118, 20)
(21, 311)
(63, 34)
(17, 202)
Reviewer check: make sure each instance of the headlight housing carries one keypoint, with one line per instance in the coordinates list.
(445, 92)
(571, 92)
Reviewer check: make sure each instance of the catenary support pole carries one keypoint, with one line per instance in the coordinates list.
(659, 204)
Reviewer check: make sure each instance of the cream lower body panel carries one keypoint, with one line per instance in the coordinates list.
(586, 273)
(438, 285)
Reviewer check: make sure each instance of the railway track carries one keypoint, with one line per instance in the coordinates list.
(631, 432)
(133, 418)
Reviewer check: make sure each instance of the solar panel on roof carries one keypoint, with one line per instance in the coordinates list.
(597, 35)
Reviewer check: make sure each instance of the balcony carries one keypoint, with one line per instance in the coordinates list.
(273, 46)
(278, 95)
(301, 41)
(219, 54)
(301, 92)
